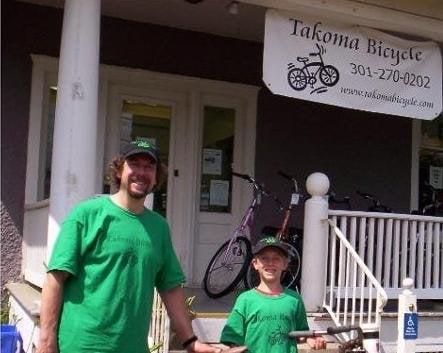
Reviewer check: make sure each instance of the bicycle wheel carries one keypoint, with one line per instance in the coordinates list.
(297, 79)
(289, 278)
(227, 268)
(329, 75)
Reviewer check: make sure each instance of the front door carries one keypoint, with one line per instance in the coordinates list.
(202, 137)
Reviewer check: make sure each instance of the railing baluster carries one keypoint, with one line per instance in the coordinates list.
(354, 290)
(370, 259)
(395, 258)
(362, 297)
(340, 278)
(404, 249)
(420, 258)
(362, 238)
(440, 226)
(353, 231)
(379, 255)
(388, 255)
(428, 263)
(333, 245)
(347, 272)
(436, 263)
(412, 249)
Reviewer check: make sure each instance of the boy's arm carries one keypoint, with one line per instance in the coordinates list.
(233, 333)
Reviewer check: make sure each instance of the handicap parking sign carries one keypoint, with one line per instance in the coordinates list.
(410, 326)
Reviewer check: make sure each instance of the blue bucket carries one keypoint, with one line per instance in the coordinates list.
(11, 341)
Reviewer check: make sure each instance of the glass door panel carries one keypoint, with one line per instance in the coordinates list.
(217, 159)
(152, 122)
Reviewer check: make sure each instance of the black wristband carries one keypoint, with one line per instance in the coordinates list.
(186, 343)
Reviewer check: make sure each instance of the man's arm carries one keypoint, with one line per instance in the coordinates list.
(174, 300)
(52, 294)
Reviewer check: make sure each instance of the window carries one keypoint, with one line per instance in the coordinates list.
(216, 159)
(431, 164)
(46, 142)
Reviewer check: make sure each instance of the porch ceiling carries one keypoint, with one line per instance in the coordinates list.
(421, 18)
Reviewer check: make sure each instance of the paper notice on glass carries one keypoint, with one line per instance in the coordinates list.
(219, 193)
(436, 177)
(212, 161)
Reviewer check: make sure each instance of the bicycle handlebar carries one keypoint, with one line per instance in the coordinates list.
(244, 177)
(308, 333)
(290, 178)
(328, 331)
(377, 205)
(335, 330)
(259, 187)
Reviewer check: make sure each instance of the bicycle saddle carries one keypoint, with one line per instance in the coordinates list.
(302, 59)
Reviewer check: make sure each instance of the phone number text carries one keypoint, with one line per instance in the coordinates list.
(407, 78)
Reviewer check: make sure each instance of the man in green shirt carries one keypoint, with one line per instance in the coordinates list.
(110, 254)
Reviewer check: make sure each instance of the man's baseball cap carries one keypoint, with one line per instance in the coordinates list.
(140, 147)
(269, 242)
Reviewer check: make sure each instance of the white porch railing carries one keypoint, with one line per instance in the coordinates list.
(396, 246)
(160, 326)
(352, 289)
(35, 230)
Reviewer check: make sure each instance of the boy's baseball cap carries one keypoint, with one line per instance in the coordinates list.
(140, 146)
(270, 241)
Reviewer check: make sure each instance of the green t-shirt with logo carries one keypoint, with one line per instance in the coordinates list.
(262, 322)
(115, 258)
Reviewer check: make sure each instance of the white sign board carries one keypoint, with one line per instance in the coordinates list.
(219, 193)
(351, 66)
(212, 161)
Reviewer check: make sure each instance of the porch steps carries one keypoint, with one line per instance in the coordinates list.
(208, 325)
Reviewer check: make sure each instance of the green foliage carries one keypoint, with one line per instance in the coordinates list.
(4, 313)
(155, 347)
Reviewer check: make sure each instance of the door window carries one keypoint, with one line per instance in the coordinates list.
(152, 122)
(216, 159)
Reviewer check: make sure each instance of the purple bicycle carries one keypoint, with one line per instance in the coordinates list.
(231, 261)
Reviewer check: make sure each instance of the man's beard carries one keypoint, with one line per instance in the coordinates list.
(139, 195)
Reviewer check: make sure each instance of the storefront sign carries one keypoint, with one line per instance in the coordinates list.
(351, 66)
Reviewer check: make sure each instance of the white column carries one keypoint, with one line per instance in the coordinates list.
(407, 318)
(74, 161)
(315, 233)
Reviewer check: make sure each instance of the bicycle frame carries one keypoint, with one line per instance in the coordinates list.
(282, 234)
(246, 221)
(228, 265)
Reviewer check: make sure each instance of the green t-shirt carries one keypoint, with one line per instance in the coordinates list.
(262, 322)
(115, 258)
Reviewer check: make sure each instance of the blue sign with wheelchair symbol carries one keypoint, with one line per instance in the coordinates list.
(410, 325)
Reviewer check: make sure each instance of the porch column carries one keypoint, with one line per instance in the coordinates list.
(315, 231)
(74, 161)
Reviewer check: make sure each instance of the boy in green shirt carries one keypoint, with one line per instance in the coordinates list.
(262, 317)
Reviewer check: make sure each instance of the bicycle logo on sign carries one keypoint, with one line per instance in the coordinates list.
(312, 72)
